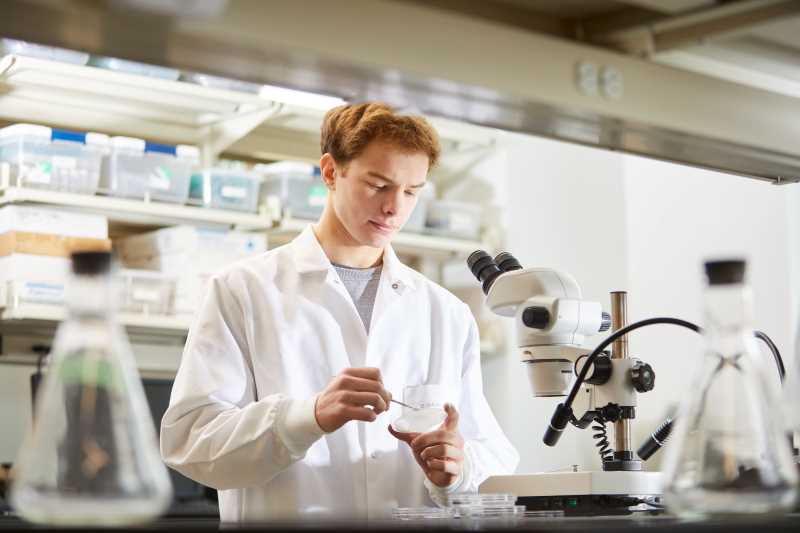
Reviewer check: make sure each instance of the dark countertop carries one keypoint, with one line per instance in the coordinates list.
(647, 524)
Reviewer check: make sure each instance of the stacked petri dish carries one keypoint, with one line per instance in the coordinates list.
(475, 511)
(426, 515)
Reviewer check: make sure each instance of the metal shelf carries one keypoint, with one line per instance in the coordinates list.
(131, 211)
(428, 246)
(95, 99)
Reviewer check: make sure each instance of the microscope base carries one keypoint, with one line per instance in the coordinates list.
(582, 493)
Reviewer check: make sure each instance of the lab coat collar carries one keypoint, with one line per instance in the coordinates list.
(310, 257)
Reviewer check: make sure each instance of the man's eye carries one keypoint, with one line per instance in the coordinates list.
(377, 187)
(411, 193)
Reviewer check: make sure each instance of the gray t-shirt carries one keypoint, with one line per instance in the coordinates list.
(362, 284)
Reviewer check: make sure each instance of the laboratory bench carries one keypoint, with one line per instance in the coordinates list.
(649, 524)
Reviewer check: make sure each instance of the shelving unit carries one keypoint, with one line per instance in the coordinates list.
(218, 121)
(132, 211)
(34, 316)
(429, 246)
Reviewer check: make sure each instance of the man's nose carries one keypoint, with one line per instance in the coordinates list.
(393, 203)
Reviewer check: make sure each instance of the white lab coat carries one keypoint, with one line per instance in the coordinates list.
(271, 333)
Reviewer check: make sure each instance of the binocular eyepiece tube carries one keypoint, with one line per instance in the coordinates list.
(486, 269)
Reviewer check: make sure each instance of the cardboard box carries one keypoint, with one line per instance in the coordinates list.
(29, 219)
(231, 245)
(48, 244)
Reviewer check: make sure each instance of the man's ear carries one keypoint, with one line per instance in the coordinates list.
(327, 168)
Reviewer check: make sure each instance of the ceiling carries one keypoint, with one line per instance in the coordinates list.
(710, 83)
(753, 42)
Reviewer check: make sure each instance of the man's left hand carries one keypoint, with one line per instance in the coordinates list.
(440, 453)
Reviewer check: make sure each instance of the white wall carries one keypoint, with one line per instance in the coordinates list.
(566, 210)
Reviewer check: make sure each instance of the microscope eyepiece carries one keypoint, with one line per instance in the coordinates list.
(483, 268)
(507, 262)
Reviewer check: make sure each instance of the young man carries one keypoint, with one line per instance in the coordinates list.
(282, 399)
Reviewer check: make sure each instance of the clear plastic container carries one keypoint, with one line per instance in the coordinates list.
(217, 82)
(51, 53)
(133, 67)
(416, 221)
(226, 188)
(298, 187)
(46, 158)
(147, 292)
(421, 514)
(449, 218)
(149, 171)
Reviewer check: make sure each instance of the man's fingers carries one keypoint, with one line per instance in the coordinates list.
(405, 437)
(439, 436)
(439, 465)
(359, 413)
(355, 383)
(360, 399)
(442, 451)
(451, 422)
(364, 372)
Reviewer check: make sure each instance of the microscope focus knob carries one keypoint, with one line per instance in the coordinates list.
(605, 322)
(536, 317)
(643, 377)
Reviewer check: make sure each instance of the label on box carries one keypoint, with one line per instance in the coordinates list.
(145, 295)
(161, 179)
(39, 173)
(52, 293)
(66, 163)
(233, 192)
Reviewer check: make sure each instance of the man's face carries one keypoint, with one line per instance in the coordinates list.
(376, 192)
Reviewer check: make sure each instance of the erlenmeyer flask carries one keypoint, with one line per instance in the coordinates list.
(729, 454)
(92, 456)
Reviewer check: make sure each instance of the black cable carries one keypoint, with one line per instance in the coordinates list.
(775, 353)
(614, 336)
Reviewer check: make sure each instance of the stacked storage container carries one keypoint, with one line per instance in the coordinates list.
(230, 188)
(149, 171)
(297, 185)
(46, 158)
(190, 254)
(35, 244)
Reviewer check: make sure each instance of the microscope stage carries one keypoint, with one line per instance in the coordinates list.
(582, 493)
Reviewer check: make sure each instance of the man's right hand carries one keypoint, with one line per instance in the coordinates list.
(355, 394)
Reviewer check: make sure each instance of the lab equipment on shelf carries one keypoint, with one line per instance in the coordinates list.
(450, 218)
(416, 221)
(134, 67)
(135, 168)
(297, 185)
(147, 292)
(236, 189)
(47, 158)
(51, 53)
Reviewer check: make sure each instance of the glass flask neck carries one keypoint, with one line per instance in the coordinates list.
(728, 318)
(90, 296)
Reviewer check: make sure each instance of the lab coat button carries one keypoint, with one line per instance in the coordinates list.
(375, 455)
(395, 286)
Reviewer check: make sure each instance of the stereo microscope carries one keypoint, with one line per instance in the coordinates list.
(552, 321)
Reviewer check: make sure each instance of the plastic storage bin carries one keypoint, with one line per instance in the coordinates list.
(227, 188)
(147, 292)
(449, 218)
(138, 169)
(45, 158)
(297, 185)
(51, 53)
(416, 221)
(133, 67)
